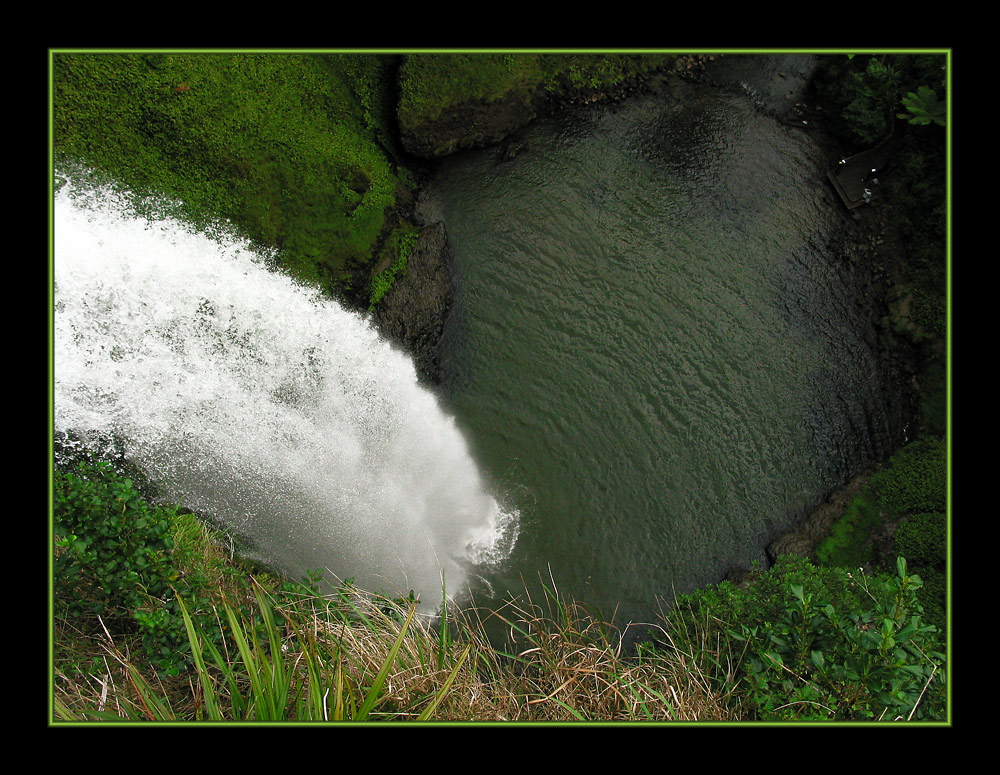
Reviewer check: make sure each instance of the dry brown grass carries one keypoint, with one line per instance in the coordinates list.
(571, 666)
(566, 666)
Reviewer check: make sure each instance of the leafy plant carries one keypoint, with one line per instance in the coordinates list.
(924, 107)
(817, 662)
(113, 558)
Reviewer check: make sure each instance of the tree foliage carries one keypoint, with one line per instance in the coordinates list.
(924, 107)
(866, 93)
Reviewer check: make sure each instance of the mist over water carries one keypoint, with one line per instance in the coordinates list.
(250, 399)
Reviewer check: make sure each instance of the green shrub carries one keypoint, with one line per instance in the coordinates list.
(916, 478)
(818, 662)
(112, 559)
(933, 597)
(762, 600)
(923, 538)
(807, 643)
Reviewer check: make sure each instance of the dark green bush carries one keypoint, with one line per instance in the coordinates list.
(934, 597)
(763, 599)
(817, 644)
(916, 478)
(820, 662)
(112, 559)
(923, 538)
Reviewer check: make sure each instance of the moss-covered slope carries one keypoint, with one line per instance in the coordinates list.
(449, 102)
(301, 151)
(293, 149)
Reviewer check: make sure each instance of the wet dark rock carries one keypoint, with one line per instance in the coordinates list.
(775, 82)
(412, 313)
(803, 537)
(510, 149)
(739, 576)
(471, 125)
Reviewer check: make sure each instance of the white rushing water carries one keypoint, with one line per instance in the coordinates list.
(251, 399)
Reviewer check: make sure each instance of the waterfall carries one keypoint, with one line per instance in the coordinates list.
(252, 399)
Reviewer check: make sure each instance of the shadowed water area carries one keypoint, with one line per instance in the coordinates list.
(654, 350)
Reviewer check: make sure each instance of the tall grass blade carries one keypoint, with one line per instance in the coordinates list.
(237, 702)
(314, 707)
(567, 707)
(277, 680)
(373, 693)
(204, 679)
(338, 686)
(443, 635)
(155, 708)
(252, 668)
(61, 711)
(445, 687)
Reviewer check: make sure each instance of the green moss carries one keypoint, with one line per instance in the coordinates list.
(581, 72)
(848, 545)
(285, 146)
(923, 538)
(397, 251)
(916, 478)
(432, 83)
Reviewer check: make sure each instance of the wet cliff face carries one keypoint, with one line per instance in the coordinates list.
(413, 312)
(470, 125)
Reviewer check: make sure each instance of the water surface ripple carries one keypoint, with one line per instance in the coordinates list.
(653, 347)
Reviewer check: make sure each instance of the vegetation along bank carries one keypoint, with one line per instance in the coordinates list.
(321, 156)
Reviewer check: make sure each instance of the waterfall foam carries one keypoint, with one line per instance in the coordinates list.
(252, 399)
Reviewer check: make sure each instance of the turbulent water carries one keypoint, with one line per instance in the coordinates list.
(654, 348)
(253, 401)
